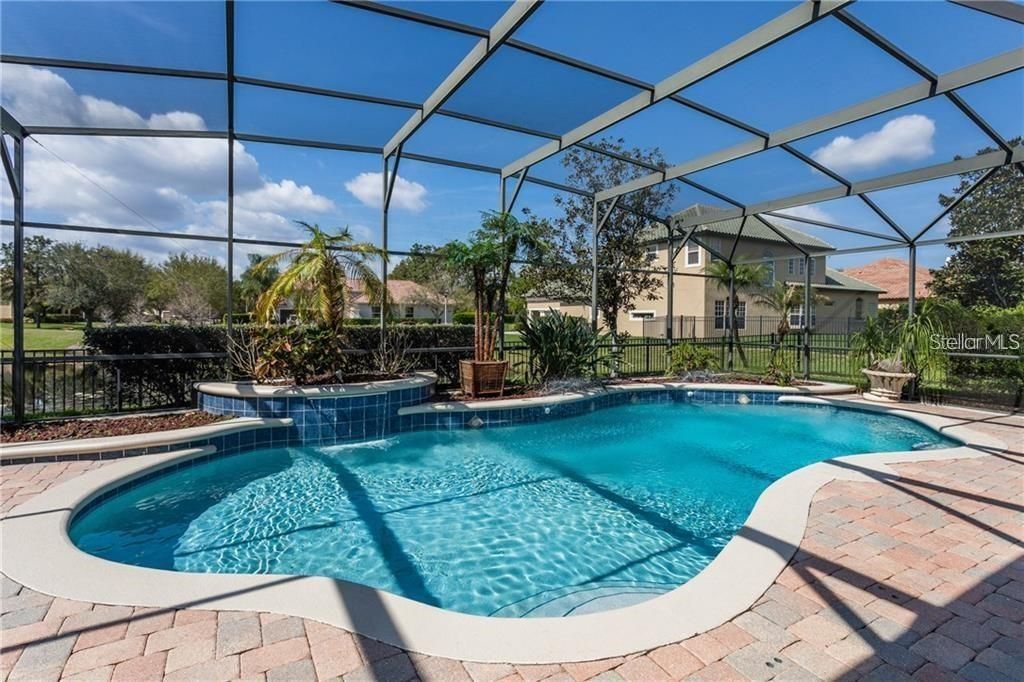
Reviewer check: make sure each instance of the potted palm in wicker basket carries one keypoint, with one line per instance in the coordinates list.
(487, 258)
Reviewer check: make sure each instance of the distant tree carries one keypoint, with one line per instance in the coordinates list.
(782, 299)
(39, 272)
(316, 276)
(254, 281)
(746, 279)
(420, 264)
(98, 281)
(80, 281)
(445, 287)
(621, 244)
(989, 271)
(184, 279)
(127, 276)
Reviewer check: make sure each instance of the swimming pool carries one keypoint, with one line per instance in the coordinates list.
(555, 518)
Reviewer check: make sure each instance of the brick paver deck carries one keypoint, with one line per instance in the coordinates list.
(917, 577)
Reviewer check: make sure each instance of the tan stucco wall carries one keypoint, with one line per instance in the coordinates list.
(696, 296)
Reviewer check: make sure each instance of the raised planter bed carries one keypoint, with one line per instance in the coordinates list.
(321, 414)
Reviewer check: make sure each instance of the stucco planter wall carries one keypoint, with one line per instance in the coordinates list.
(886, 386)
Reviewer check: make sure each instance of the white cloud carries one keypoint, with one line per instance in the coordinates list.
(907, 138)
(408, 195)
(808, 211)
(285, 195)
(177, 184)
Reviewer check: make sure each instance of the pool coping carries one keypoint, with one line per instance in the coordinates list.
(39, 554)
(823, 388)
(49, 449)
(249, 389)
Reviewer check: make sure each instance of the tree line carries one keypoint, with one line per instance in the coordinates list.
(101, 283)
(104, 283)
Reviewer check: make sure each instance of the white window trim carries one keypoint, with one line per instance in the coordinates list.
(686, 255)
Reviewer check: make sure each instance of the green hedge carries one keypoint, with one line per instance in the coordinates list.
(175, 338)
(158, 382)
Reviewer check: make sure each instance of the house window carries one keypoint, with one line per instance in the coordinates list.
(410, 312)
(652, 252)
(722, 314)
(812, 262)
(858, 309)
(692, 254)
(796, 318)
(769, 269)
(374, 311)
(796, 266)
(641, 314)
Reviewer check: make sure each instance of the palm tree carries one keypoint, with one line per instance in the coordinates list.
(745, 278)
(316, 276)
(782, 299)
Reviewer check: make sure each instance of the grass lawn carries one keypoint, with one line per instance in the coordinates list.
(51, 336)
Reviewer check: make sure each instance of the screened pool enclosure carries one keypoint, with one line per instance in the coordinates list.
(203, 127)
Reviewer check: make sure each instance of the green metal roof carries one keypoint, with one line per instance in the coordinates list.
(755, 229)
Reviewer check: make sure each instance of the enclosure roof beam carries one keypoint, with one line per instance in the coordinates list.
(920, 69)
(765, 35)
(111, 67)
(833, 226)
(974, 73)
(11, 126)
(513, 18)
(956, 202)
(369, 99)
(1003, 9)
(9, 169)
(126, 132)
(942, 170)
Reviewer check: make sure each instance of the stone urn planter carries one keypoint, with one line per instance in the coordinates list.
(886, 387)
(483, 377)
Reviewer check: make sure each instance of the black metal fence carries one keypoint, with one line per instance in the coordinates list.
(61, 383)
(77, 382)
(696, 328)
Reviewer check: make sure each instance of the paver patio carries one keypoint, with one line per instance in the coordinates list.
(915, 577)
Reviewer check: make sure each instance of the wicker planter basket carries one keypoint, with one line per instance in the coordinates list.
(886, 386)
(479, 378)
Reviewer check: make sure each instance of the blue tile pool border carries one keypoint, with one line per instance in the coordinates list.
(332, 420)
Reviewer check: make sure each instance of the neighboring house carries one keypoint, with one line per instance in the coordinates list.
(893, 275)
(409, 301)
(700, 305)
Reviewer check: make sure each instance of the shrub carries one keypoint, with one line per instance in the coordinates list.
(780, 370)
(296, 351)
(159, 382)
(690, 357)
(469, 317)
(560, 347)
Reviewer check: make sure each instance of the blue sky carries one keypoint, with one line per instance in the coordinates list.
(179, 185)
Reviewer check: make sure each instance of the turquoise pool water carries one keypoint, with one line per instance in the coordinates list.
(547, 519)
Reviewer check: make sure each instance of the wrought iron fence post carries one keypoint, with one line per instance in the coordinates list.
(117, 387)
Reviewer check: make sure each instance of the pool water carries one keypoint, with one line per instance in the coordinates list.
(548, 519)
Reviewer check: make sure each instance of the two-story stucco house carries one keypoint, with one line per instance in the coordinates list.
(701, 305)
